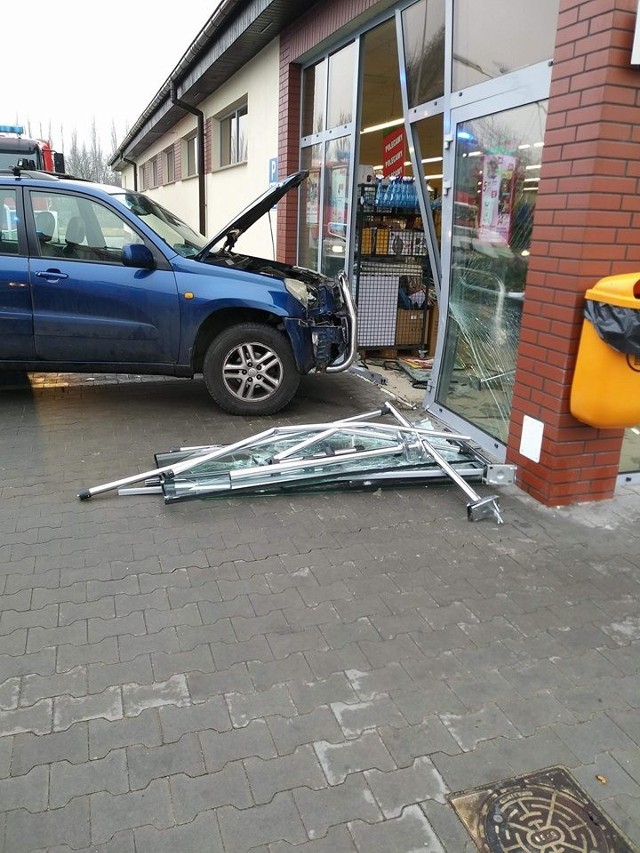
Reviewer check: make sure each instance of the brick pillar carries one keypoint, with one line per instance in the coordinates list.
(585, 227)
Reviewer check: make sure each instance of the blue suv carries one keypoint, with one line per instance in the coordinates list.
(103, 279)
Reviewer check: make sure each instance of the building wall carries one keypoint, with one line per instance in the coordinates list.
(229, 189)
(585, 227)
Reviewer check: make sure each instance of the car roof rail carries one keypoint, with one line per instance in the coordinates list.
(17, 172)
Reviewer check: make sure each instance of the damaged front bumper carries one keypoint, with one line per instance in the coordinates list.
(326, 342)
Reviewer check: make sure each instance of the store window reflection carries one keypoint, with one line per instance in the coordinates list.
(630, 456)
(497, 166)
(514, 35)
(342, 67)
(335, 212)
(423, 28)
(309, 230)
(314, 88)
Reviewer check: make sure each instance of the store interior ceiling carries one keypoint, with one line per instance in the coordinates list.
(382, 104)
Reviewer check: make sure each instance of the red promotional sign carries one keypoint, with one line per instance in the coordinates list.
(393, 153)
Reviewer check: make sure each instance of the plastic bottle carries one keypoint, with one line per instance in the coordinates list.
(381, 192)
(392, 193)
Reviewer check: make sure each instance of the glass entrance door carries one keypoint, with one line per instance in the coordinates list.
(495, 161)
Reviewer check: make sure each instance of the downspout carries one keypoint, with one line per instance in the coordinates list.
(135, 170)
(200, 147)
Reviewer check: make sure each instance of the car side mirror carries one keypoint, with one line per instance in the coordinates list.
(138, 255)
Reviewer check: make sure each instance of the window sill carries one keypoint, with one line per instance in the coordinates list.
(229, 166)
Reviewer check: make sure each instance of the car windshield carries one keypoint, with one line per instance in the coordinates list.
(175, 233)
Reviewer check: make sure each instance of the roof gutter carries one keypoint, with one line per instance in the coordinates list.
(222, 13)
(135, 169)
(200, 152)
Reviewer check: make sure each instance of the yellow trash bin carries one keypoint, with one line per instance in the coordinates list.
(605, 392)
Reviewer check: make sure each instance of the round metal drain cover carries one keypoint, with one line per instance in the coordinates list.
(543, 812)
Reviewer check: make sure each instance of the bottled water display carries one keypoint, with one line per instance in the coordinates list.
(396, 194)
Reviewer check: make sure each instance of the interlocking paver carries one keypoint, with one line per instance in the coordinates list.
(106, 651)
(338, 760)
(410, 742)
(411, 831)
(9, 694)
(178, 720)
(299, 769)
(279, 819)
(103, 675)
(37, 718)
(226, 654)
(105, 735)
(412, 652)
(236, 679)
(337, 840)
(35, 687)
(112, 813)
(292, 668)
(202, 834)
(73, 780)
(68, 710)
(246, 707)
(134, 624)
(130, 646)
(289, 733)
(192, 795)
(222, 747)
(337, 804)
(308, 695)
(155, 762)
(356, 718)
(10, 620)
(30, 792)
(26, 831)
(395, 789)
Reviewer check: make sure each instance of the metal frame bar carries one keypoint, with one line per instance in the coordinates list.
(303, 465)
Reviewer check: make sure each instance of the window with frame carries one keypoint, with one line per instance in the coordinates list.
(143, 177)
(234, 137)
(154, 172)
(8, 223)
(79, 229)
(191, 156)
(169, 164)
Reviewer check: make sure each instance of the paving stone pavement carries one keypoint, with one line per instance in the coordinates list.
(298, 673)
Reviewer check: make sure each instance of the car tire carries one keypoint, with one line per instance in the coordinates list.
(249, 369)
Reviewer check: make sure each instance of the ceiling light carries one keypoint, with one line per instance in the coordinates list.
(393, 123)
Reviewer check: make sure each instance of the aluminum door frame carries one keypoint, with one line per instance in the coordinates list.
(518, 89)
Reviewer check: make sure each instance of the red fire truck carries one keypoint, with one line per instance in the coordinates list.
(18, 151)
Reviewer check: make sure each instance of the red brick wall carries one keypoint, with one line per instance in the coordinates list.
(318, 24)
(586, 227)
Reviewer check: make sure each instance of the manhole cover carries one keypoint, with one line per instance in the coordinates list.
(543, 812)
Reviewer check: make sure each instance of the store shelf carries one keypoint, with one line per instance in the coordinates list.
(391, 274)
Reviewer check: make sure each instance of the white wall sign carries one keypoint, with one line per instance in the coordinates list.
(531, 438)
(635, 50)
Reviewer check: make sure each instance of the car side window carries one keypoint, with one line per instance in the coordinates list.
(78, 228)
(8, 223)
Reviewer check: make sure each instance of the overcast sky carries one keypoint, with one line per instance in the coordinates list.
(73, 60)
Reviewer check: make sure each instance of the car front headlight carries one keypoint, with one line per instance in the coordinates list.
(298, 290)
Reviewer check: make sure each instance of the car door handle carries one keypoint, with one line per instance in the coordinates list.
(52, 275)
(17, 284)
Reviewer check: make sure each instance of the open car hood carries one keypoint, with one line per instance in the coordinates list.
(253, 212)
